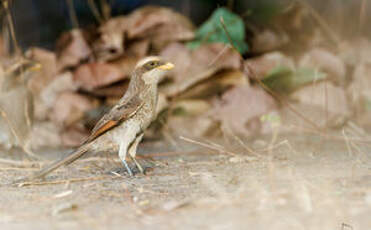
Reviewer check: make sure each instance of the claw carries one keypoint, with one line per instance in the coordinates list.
(127, 167)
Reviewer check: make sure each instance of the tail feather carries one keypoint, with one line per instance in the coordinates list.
(64, 161)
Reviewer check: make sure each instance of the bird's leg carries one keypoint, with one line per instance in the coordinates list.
(122, 155)
(133, 152)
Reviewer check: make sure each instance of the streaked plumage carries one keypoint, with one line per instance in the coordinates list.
(123, 126)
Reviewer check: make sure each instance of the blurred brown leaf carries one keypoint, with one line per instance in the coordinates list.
(94, 75)
(356, 51)
(72, 48)
(46, 100)
(268, 40)
(328, 101)
(125, 65)
(190, 107)
(161, 25)
(240, 108)
(70, 108)
(150, 25)
(359, 93)
(264, 64)
(180, 56)
(215, 85)
(198, 65)
(325, 61)
(74, 136)
(191, 126)
(110, 43)
(138, 48)
(115, 90)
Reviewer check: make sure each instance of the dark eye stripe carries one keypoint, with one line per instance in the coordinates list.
(152, 64)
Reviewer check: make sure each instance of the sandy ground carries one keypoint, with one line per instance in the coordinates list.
(306, 183)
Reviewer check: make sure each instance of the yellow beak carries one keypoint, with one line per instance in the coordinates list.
(36, 67)
(167, 66)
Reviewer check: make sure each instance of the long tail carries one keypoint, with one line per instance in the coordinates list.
(64, 161)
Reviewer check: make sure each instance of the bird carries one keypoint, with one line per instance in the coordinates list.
(122, 127)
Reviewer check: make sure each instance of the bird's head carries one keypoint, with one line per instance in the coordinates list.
(152, 68)
(23, 68)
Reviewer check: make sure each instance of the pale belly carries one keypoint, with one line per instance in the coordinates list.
(125, 133)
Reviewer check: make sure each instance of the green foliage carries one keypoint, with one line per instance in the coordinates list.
(272, 118)
(212, 31)
(367, 104)
(283, 79)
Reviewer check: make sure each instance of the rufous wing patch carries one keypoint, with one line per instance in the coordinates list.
(104, 128)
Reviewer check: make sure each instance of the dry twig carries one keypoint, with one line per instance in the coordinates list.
(28, 183)
(72, 13)
(213, 147)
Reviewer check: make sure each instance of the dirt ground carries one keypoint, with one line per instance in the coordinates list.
(307, 182)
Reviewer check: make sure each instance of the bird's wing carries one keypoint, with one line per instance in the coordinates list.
(115, 116)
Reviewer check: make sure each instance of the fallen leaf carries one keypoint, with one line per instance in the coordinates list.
(199, 65)
(116, 90)
(191, 126)
(110, 43)
(359, 93)
(215, 85)
(285, 80)
(356, 51)
(324, 94)
(268, 40)
(240, 108)
(138, 48)
(316, 114)
(190, 107)
(74, 136)
(160, 24)
(125, 65)
(325, 61)
(328, 101)
(44, 103)
(180, 56)
(97, 74)
(212, 30)
(70, 107)
(72, 48)
(264, 64)
(153, 25)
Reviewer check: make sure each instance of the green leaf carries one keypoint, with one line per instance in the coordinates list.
(285, 80)
(212, 31)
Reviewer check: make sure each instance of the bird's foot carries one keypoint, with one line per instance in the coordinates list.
(128, 169)
(139, 167)
(133, 169)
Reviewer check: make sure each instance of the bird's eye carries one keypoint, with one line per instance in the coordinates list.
(152, 64)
